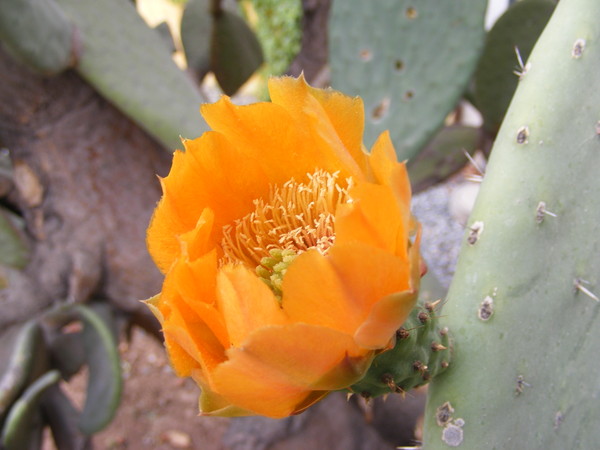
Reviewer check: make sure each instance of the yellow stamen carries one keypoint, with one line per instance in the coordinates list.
(297, 216)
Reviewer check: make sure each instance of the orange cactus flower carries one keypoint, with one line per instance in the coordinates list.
(290, 254)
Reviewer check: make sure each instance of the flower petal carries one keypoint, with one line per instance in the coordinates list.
(309, 356)
(196, 283)
(336, 118)
(212, 404)
(373, 218)
(391, 311)
(257, 388)
(196, 339)
(313, 293)
(389, 172)
(246, 303)
(285, 146)
(196, 181)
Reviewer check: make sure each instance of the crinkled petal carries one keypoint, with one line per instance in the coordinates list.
(338, 291)
(213, 404)
(284, 145)
(257, 388)
(391, 311)
(197, 181)
(373, 218)
(389, 172)
(308, 356)
(246, 303)
(196, 283)
(196, 339)
(338, 120)
(313, 293)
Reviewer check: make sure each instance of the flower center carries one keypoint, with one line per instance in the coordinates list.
(296, 217)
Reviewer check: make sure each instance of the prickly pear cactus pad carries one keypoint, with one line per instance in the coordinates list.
(140, 77)
(410, 62)
(524, 306)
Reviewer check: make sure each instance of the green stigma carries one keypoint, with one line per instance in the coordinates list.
(272, 268)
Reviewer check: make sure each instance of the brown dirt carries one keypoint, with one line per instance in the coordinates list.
(158, 410)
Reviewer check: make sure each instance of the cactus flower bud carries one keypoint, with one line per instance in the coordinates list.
(290, 255)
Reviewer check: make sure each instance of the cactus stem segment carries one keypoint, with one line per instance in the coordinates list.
(541, 211)
(422, 351)
(579, 286)
(578, 48)
(523, 135)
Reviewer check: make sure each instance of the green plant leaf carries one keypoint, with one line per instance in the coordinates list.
(24, 344)
(63, 417)
(14, 251)
(104, 384)
(22, 428)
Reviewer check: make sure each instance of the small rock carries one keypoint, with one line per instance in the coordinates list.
(177, 439)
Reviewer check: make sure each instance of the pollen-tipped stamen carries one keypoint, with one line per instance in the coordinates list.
(297, 216)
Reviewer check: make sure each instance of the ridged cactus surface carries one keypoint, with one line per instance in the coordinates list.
(409, 60)
(523, 307)
(422, 351)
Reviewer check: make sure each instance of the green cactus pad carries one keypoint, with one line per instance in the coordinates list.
(443, 156)
(523, 304)
(39, 34)
(498, 70)
(409, 61)
(128, 63)
(235, 53)
(421, 352)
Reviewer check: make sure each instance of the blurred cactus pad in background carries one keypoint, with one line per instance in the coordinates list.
(498, 98)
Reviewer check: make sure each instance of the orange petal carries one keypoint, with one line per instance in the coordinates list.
(285, 146)
(196, 339)
(196, 283)
(182, 363)
(369, 273)
(314, 294)
(197, 242)
(373, 218)
(391, 311)
(338, 120)
(246, 303)
(198, 180)
(389, 172)
(283, 369)
(212, 404)
(308, 356)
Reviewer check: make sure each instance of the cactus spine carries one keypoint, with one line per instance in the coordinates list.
(523, 305)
